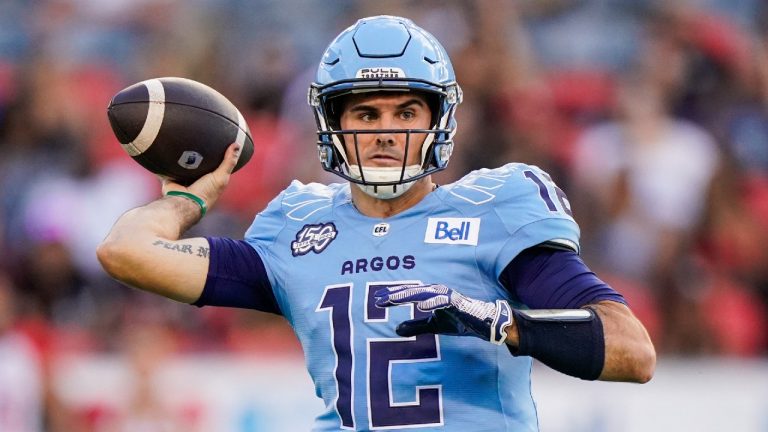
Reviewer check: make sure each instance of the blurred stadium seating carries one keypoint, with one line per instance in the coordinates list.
(545, 83)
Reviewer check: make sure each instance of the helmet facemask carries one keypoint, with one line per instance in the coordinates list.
(384, 182)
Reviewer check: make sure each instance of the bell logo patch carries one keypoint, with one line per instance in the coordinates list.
(456, 231)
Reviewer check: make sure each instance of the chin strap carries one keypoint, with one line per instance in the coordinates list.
(375, 175)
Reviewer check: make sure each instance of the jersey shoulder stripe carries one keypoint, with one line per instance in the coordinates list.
(480, 187)
(516, 190)
(297, 205)
(302, 202)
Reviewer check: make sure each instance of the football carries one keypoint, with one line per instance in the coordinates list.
(178, 128)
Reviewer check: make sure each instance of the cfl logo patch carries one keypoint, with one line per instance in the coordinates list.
(456, 231)
(381, 229)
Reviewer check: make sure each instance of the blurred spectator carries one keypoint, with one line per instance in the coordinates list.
(148, 347)
(132, 392)
(558, 36)
(731, 249)
(649, 175)
(71, 210)
(736, 318)
(643, 180)
(21, 376)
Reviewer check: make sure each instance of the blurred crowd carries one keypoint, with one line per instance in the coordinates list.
(651, 115)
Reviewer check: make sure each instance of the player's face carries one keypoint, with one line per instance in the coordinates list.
(385, 111)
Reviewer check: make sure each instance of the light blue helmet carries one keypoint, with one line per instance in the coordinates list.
(385, 53)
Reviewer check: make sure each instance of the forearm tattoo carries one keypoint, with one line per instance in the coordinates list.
(188, 249)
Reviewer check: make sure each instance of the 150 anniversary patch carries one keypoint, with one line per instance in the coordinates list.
(313, 237)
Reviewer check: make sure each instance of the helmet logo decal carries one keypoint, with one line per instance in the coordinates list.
(380, 72)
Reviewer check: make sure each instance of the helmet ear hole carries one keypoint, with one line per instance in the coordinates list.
(335, 107)
(433, 101)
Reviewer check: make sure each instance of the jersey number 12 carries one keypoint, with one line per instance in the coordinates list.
(383, 412)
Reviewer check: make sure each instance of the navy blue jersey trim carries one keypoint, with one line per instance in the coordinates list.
(545, 278)
(237, 278)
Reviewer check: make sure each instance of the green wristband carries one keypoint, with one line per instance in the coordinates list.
(193, 197)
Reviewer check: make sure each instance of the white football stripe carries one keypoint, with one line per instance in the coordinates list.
(240, 139)
(154, 119)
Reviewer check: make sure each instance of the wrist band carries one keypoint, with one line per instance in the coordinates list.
(568, 341)
(193, 197)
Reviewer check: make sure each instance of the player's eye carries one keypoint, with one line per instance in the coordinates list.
(407, 115)
(367, 116)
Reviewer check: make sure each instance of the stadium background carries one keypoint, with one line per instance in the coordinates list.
(651, 115)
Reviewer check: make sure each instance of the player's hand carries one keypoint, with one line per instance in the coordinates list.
(210, 186)
(452, 312)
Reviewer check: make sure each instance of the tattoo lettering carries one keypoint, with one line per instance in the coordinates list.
(183, 248)
(202, 252)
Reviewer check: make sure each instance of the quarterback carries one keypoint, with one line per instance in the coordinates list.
(417, 306)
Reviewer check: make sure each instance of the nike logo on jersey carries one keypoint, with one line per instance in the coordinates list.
(456, 231)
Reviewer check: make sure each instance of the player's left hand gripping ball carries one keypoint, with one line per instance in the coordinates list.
(452, 312)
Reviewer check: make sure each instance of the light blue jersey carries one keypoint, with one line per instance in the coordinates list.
(325, 260)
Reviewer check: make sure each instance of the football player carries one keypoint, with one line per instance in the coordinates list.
(417, 306)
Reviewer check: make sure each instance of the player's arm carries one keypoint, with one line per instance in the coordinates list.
(144, 248)
(606, 342)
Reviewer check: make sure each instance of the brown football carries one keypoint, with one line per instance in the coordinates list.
(177, 127)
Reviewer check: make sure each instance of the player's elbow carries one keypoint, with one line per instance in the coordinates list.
(632, 361)
(113, 256)
(644, 363)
